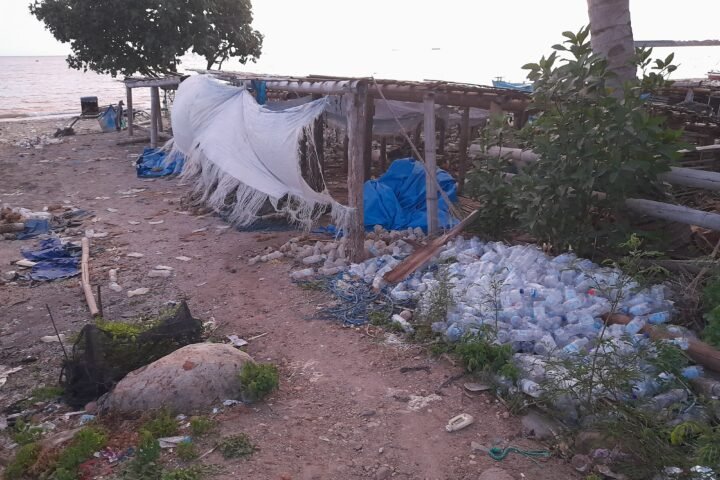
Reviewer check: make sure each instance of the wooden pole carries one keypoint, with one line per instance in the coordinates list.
(85, 277)
(368, 136)
(130, 113)
(463, 147)
(441, 132)
(159, 110)
(154, 113)
(383, 154)
(356, 126)
(431, 190)
(346, 155)
(319, 139)
(675, 213)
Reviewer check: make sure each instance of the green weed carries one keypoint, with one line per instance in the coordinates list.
(163, 424)
(200, 426)
(25, 458)
(236, 446)
(258, 380)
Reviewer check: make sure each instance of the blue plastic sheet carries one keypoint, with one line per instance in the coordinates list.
(54, 260)
(397, 199)
(151, 164)
(108, 119)
(33, 228)
(522, 87)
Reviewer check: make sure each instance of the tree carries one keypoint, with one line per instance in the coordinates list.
(226, 32)
(148, 37)
(611, 37)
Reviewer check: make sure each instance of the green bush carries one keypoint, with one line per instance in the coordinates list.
(163, 424)
(186, 451)
(258, 380)
(479, 355)
(82, 447)
(200, 426)
(236, 446)
(24, 459)
(711, 305)
(145, 465)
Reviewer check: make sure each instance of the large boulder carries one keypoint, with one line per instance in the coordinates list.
(192, 378)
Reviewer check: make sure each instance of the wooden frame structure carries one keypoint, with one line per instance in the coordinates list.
(359, 95)
(154, 84)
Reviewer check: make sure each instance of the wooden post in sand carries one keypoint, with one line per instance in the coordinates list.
(154, 114)
(356, 126)
(85, 277)
(383, 155)
(431, 189)
(367, 138)
(463, 147)
(130, 124)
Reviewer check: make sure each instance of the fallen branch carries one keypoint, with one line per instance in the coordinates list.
(85, 278)
(700, 352)
(423, 255)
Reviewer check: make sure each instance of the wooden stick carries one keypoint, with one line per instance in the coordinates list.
(431, 188)
(154, 113)
(12, 227)
(700, 352)
(85, 278)
(130, 113)
(463, 147)
(367, 139)
(421, 256)
(57, 333)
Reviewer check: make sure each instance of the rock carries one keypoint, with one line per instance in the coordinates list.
(138, 291)
(477, 447)
(495, 474)
(383, 473)
(534, 424)
(581, 463)
(91, 407)
(192, 378)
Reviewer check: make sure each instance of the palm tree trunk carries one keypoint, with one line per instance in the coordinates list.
(611, 36)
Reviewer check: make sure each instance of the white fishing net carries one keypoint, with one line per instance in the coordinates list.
(243, 156)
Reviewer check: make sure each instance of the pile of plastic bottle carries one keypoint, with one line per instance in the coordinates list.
(541, 305)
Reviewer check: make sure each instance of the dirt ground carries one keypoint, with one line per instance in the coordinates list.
(342, 409)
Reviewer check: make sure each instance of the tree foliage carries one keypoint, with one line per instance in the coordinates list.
(148, 37)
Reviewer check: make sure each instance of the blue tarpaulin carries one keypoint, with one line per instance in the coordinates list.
(151, 163)
(397, 199)
(33, 228)
(522, 87)
(54, 260)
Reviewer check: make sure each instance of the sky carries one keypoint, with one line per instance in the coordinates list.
(462, 40)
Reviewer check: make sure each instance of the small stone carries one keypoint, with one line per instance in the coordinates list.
(381, 450)
(406, 314)
(539, 426)
(505, 415)
(367, 413)
(383, 473)
(477, 447)
(495, 474)
(91, 407)
(581, 463)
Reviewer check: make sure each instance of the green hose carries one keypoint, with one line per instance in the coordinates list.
(499, 454)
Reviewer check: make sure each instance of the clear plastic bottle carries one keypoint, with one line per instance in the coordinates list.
(664, 400)
(635, 325)
(530, 388)
(575, 347)
(545, 345)
(692, 372)
(526, 335)
(640, 309)
(454, 333)
(658, 318)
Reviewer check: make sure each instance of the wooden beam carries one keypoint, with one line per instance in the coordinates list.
(152, 83)
(367, 156)
(457, 99)
(319, 138)
(154, 113)
(155, 97)
(356, 126)
(463, 147)
(675, 213)
(689, 177)
(431, 190)
(346, 154)
(130, 112)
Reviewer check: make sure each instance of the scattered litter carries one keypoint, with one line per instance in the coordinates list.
(418, 402)
(210, 325)
(159, 273)
(199, 230)
(90, 233)
(137, 292)
(236, 341)
(231, 403)
(156, 222)
(459, 422)
(25, 263)
(476, 387)
(132, 191)
(172, 442)
(152, 163)
(135, 255)
(133, 222)
(497, 453)
(257, 336)
(86, 418)
(424, 368)
(113, 210)
(404, 324)
(53, 260)
(53, 338)
(114, 286)
(201, 284)
(164, 267)
(183, 258)
(102, 198)
(5, 372)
